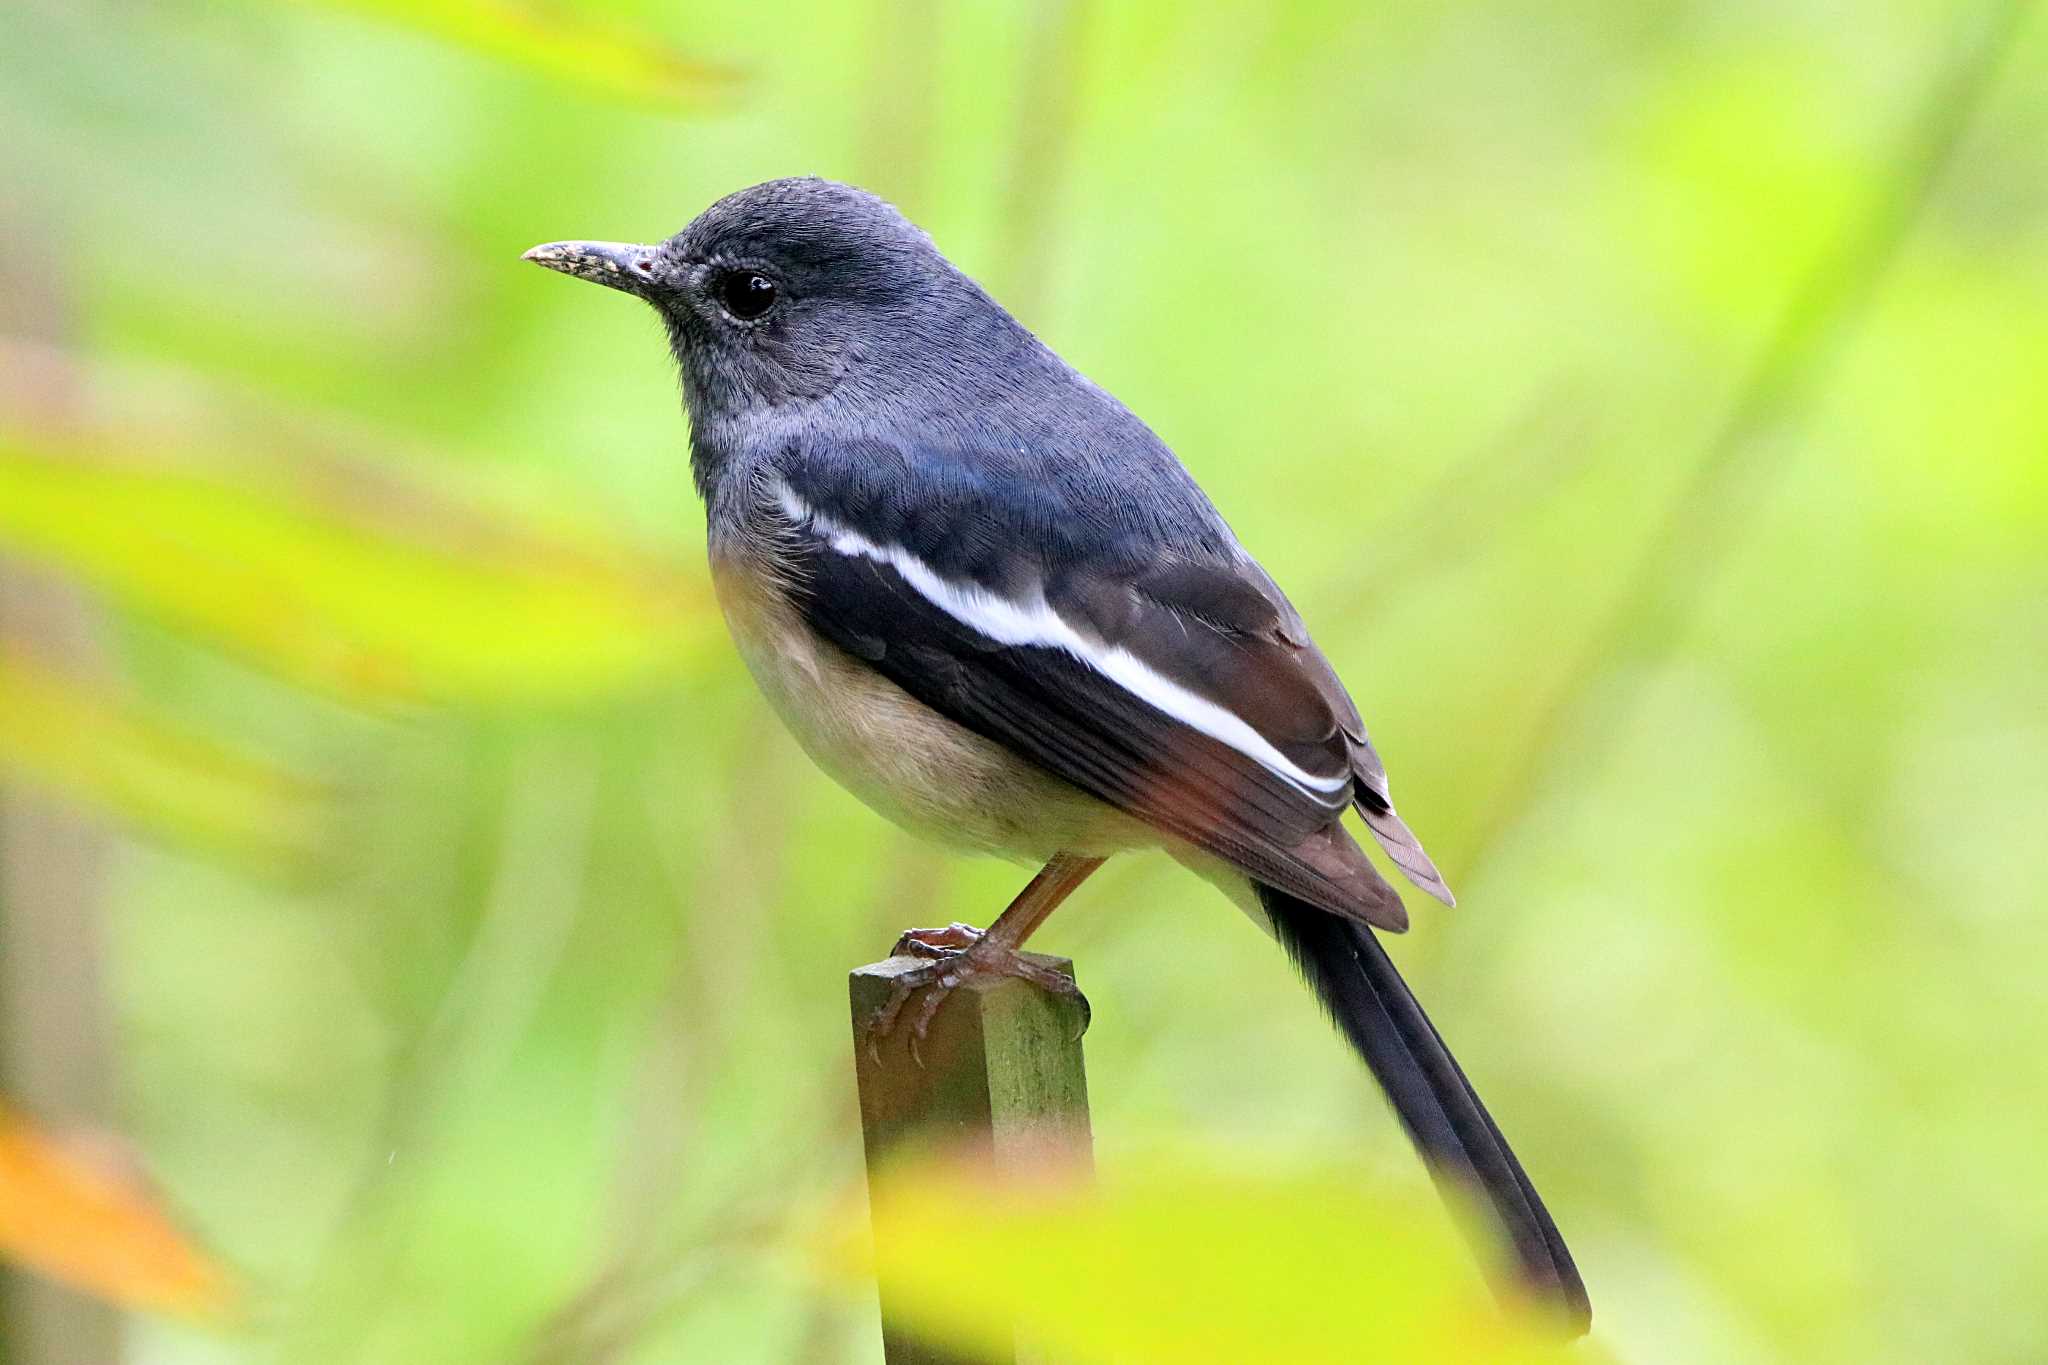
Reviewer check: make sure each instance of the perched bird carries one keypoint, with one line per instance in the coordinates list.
(988, 599)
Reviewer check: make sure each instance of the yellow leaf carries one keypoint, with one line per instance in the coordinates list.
(1174, 1260)
(85, 1220)
(604, 57)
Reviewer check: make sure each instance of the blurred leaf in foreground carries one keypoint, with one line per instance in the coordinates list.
(76, 1215)
(1171, 1259)
(65, 735)
(638, 68)
(338, 592)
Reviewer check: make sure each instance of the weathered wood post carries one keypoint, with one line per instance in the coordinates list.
(1001, 1079)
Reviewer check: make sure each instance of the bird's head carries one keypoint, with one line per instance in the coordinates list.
(779, 293)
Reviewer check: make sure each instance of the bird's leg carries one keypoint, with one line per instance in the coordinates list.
(960, 952)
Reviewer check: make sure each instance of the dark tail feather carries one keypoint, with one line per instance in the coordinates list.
(1357, 982)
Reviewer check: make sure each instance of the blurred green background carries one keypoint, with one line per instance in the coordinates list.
(1647, 405)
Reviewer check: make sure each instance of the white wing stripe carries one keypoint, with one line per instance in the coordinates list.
(1034, 622)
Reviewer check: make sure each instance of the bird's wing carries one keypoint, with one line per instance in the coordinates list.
(1176, 687)
(1369, 777)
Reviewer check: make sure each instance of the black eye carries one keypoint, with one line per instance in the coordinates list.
(745, 294)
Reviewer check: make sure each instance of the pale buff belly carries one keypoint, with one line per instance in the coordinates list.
(902, 759)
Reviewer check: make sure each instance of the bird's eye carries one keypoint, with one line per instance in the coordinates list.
(745, 294)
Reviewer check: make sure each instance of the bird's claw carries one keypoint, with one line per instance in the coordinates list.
(936, 942)
(955, 955)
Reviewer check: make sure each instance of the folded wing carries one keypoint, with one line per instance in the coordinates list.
(1176, 686)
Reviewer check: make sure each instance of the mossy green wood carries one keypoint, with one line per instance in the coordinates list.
(1001, 1079)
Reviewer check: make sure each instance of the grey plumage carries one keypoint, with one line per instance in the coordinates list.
(990, 600)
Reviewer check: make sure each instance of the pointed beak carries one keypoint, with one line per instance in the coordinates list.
(622, 265)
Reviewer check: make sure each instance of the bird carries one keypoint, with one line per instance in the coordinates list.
(989, 601)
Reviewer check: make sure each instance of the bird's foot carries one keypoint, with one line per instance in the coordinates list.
(955, 955)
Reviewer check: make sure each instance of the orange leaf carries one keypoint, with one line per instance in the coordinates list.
(81, 1216)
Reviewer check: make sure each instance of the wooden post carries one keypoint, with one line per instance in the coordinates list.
(1001, 1079)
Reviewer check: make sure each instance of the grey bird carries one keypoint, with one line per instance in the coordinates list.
(988, 600)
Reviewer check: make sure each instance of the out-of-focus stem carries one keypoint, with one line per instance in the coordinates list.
(56, 1054)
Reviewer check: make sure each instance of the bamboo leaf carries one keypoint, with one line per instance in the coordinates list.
(351, 596)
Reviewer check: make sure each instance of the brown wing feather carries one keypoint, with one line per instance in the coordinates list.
(1287, 689)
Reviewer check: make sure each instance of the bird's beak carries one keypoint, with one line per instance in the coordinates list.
(622, 265)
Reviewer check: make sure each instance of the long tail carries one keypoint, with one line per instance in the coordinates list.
(1357, 983)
